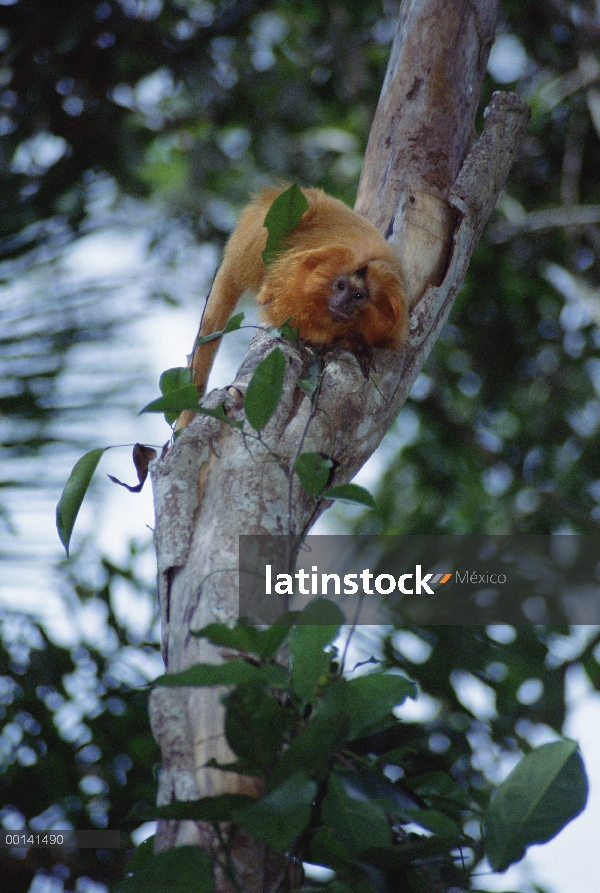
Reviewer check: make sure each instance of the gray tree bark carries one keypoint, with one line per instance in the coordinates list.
(430, 190)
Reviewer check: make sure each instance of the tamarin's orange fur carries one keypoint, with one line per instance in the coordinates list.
(336, 278)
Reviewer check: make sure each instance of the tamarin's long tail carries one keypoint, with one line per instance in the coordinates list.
(221, 302)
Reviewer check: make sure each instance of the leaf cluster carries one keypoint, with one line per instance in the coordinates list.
(178, 98)
(76, 748)
(334, 793)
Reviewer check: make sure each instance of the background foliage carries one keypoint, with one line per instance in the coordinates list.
(158, 118)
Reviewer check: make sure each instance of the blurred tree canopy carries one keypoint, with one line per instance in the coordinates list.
(195, 98)
(163, 115)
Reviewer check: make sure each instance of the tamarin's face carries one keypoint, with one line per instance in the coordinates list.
(335, 297)
(349, 292)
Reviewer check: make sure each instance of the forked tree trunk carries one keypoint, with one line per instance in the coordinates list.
(430, 191)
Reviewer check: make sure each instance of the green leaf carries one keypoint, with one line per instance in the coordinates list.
(326, 849)
(312, 751)
(544, 791)
(264, 643)
(142, 855)
(175, 401)
(397, 757)
(413, 848)
(184, 869)
(351, 493)
(357, 823)
(232, 672)
(437, 822)
(374, 785)
(171, 380)
(309, 662)
(186, 398)
(264, 389)
(321, 612)
(219, 413)
(73, 494)
(220, 808)
(372, 697)
(234, 323)
(287, 331)
(255, 725)
(310, 380)
(314, 471)
(334, 702)
(280, 816)
(282, 218)
(436, 787)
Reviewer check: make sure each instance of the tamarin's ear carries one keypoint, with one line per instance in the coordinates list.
(318, 257)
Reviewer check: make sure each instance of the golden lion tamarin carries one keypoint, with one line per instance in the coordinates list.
(336, 279)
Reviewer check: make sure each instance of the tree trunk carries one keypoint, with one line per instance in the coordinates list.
(430, 193)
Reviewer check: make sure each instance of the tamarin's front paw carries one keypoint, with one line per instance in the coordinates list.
(366, 359)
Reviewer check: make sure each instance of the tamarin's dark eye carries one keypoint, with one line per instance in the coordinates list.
(340, 284)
